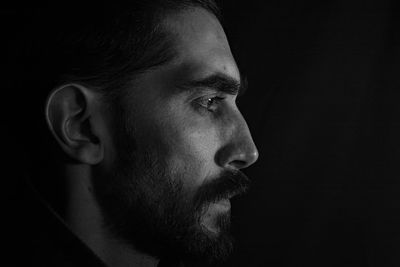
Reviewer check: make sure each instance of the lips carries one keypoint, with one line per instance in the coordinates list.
(221, 189)
(224, 203)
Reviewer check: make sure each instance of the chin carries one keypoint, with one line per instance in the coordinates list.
(213, 243)
(216, 217)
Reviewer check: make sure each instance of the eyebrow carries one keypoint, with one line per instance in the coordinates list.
(219, 82)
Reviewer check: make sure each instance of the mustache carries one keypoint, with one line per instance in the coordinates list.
(228, 184)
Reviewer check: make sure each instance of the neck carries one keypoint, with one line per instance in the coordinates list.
(84, 218)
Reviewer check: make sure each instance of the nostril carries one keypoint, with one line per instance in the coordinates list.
(239, 164)
(245, 159)
(232, 156)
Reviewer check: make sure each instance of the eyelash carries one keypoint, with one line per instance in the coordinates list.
(204, 102)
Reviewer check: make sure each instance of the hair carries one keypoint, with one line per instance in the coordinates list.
(104, 47)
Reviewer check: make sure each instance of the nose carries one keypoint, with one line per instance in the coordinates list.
(239, 150)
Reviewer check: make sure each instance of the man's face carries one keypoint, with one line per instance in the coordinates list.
(178, 144)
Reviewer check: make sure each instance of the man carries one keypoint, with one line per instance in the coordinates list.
(149, 141)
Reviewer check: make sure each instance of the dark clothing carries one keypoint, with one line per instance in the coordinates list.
(38, 237)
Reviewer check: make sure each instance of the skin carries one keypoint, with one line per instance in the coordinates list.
(198, 131)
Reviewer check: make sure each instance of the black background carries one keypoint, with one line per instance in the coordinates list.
(323, 108)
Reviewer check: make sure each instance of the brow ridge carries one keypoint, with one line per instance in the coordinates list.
(219, 82)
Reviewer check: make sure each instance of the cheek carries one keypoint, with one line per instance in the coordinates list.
(186, 141)
(191, 147)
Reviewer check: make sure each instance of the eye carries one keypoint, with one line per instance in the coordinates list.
(210, 103)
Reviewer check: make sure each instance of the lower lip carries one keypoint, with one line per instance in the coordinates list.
(225, 203)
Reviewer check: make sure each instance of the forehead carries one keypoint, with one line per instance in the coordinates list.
(201, 43)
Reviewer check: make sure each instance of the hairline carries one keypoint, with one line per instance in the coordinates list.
(169, 38)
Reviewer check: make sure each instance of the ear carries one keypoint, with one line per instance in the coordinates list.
(73, 118)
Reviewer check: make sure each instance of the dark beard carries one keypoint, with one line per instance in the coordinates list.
(146, 206)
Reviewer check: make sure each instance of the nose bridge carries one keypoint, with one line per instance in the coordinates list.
(240, 150)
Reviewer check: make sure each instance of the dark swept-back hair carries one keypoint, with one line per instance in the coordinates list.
(103, 46)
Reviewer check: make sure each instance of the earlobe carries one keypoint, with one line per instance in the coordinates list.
(70, 112)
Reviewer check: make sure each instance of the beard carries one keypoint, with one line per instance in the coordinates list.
(144, 203)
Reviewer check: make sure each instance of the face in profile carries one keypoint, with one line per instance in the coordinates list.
(177, 146)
